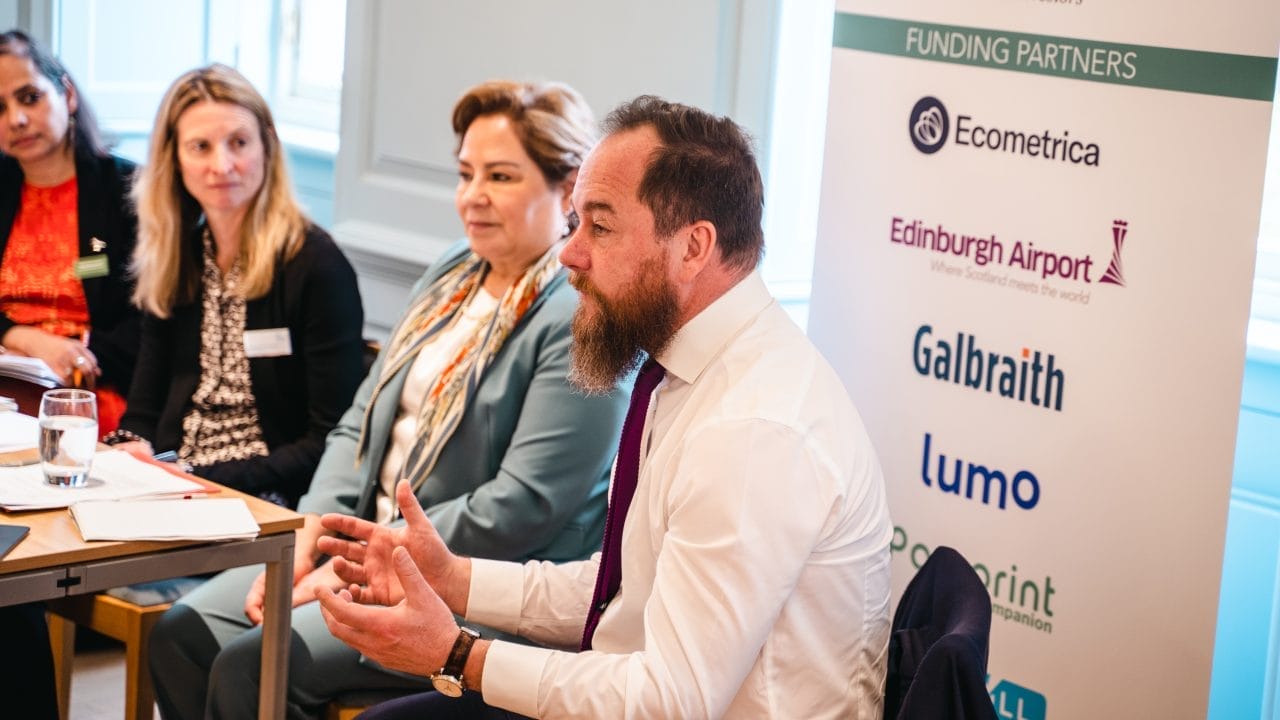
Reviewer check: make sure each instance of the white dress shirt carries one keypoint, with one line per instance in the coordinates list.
(755, 554)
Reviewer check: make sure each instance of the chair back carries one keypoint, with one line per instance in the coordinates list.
(25, 393)
(938, 648)
(370, 354)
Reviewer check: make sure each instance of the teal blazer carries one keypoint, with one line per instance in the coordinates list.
(526, 473)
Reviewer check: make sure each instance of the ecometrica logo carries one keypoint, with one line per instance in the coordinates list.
(929, 125)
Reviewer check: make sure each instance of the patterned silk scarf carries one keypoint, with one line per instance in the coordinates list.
(436, 310)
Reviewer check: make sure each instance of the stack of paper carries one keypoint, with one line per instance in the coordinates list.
(30, 369)
(115, 475)
(223, 519)
(17, 431)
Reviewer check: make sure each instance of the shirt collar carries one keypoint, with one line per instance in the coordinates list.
(701, 339)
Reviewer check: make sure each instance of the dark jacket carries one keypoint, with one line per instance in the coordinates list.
(938, 649)
(299, 396)
(105, 213)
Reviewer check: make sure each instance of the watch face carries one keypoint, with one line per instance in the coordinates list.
(447, 685)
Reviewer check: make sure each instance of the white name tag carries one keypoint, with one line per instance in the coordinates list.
(271, 342)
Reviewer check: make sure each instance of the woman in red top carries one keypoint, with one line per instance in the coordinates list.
(67, 231)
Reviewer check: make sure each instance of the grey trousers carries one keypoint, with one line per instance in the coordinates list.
(206, 657)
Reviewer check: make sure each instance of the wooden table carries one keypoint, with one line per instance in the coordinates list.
(53, 562)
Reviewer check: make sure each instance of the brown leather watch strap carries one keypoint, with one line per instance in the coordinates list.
(461, 649)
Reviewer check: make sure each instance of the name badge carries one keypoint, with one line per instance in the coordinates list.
(91, 266)
(271, 342)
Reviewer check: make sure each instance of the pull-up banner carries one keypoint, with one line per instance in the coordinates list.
(1035, 254)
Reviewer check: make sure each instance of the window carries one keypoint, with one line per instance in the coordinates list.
(1264, 321)
(798, 130)
(125, 56)
(308, 76)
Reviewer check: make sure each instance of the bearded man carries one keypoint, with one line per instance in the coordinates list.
(745, 567)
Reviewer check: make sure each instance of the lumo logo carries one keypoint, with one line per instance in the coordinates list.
(1014, 702)
(929, 125)
(962, 481)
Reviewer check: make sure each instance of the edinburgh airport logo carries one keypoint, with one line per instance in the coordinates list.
(1027, 265)
(1115, 271)
(929, 125)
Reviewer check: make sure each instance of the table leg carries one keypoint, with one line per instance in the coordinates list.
(275, 636)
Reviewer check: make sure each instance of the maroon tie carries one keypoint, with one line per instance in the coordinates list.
(625, 476)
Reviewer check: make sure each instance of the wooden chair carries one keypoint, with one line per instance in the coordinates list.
(119, 619)
(339, 710)
(350, 704)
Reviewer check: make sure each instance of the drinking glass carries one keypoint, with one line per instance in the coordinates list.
(68, 436)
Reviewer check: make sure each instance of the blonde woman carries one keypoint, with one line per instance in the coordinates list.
(251, 339)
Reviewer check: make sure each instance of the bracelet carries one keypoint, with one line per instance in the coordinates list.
(120, 436)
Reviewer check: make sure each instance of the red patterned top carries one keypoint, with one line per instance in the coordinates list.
(38, 283)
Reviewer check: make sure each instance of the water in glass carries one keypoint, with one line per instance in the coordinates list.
(68, 436)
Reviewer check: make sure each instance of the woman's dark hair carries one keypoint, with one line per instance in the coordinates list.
(86, 139)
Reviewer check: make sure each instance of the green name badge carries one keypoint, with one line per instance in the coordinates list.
(92, 266)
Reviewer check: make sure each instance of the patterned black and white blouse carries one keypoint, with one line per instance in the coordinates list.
(222, 424)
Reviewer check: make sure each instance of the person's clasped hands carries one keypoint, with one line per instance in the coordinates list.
(401, 583)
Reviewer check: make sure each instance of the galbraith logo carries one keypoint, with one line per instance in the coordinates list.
(1030, 377)
(929, 126)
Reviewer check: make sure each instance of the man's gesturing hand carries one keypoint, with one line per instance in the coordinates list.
(365, 561)
(414, 635)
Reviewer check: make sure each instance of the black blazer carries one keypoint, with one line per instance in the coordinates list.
(299, 397)
(938, 648)
(105, 213)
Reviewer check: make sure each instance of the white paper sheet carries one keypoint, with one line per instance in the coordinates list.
(115, 475)
(18, 431)
(198, 519)
(31, 369)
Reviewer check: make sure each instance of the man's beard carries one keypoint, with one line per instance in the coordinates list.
(607, 344)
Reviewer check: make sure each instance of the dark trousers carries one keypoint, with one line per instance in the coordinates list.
(437, 707)
(26, 664)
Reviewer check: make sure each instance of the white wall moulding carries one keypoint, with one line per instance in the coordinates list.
(407, 62)
(388, 261)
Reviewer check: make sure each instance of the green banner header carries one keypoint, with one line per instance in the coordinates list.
(1240, 76)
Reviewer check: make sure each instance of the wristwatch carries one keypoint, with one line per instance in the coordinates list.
(449, 680)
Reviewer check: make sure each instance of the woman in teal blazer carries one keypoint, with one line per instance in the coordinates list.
(520, 469)
(504, 485)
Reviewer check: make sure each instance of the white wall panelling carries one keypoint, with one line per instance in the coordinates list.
(408, 61)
